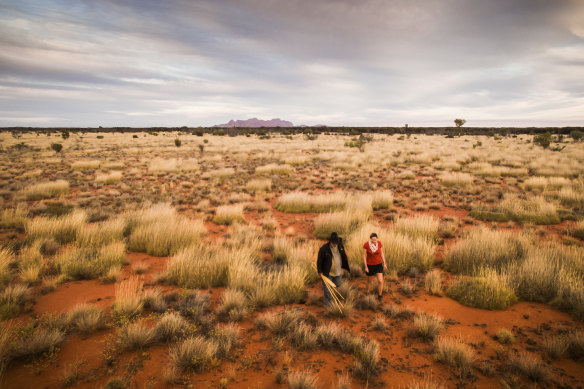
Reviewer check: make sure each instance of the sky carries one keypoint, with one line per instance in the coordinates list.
(147, 63)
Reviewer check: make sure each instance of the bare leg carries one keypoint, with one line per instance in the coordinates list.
(380, 282)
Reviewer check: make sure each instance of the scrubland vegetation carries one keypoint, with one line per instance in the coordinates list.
(203, 256)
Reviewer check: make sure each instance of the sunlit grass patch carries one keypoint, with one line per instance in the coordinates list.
(99, 234)
(173, 165)
(6, 258)
(483, 248)
(578, 230)
(229, 214)
(85, 165)
(546, 183)
(486, 292)
(258, 186)
(110, 178)
(367, 359)
(45, 190)
(571, 198)
(39, 342)
(298, 202)
(343, 223)
(433, 283)
(160, 231)
(62, 229)
(534, 210)
(198, 266)
(382, 200)
(456, 179)
(504, 336)
(86, 263)
(275, 169)
(456, 354)
(128, 299)
(421, 226)
(14, 218)
(530, 366)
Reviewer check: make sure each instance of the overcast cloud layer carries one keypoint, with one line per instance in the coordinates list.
(336, 62)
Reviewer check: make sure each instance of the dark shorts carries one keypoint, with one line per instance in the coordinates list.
(374, 269)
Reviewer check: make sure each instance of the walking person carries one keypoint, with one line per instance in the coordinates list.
(331, 261)
(374, 261)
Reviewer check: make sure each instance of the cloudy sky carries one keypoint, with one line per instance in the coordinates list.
(337, 62)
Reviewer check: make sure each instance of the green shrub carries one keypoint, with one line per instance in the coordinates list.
(56, 147)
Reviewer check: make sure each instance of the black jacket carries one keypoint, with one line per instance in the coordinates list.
(325, 259)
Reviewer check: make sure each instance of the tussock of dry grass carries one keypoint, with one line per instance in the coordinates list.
(173, 165)
(62, 229)
(160, 231)
(425, 326)
(110, 178)
(88, 263)
(85, 165)
(456, 354)
(45, 190)
(258, 186)
(194, 353)
(489, 291)
(298, 202)
(456, 179)
(275, 169)
(128, 298)
(229, 214)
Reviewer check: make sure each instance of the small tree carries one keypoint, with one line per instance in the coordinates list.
(65, 134)
(459, 122)
(577, 135)
(177, 142)
(543, 140)
(57, 147)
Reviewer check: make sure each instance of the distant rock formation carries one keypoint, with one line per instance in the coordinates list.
(255, 122)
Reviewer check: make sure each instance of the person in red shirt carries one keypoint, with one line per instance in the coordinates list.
(374, 261)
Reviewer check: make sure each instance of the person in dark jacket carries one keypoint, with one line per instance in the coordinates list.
(331, 261)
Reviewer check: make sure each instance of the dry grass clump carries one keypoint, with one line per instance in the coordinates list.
(229, 214)
(433, 282)
(195, 305)
(456, 354)
(222, 173)
(160, 231)
(303, 337)
(154, 300)
(425, 326)
(136, 336)
(233, 305)
(45, 190)
(198, 266)
(258, 186)
(6, 344)
(171, 327)
(489, 291)
(6, 258)
(426, 384)
(382, 199)
(367, 359)
(570, 197)
(302, 379)
(62, 229)
(280, 324)
(578, 230)
(504, 336)
(86, 318)
(555, 346)
(576, 346)
(128, 298)
(99, 234)
(552, 274)
(299, 202)
(530, 366)
(226, 337)
(274, 168)
(12, 300)
(110, 178)
(91, 262)
(533, 209)
(343, 223)
(173, 165)
(194, 353)
(546, 183)
(422, 226)
(456, 179)
(85, 165)
(14, 218)
(41, 341)
(483, 248)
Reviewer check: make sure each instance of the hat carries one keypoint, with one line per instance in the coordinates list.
(334, 238)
